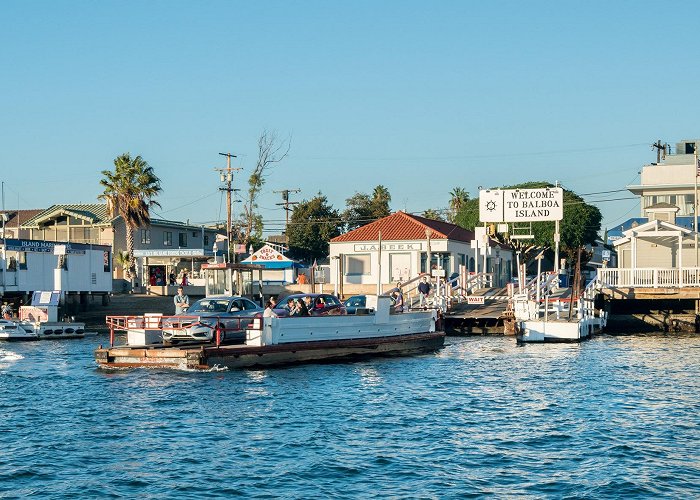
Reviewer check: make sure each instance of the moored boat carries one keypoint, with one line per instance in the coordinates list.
(281, 341)
(14, 330)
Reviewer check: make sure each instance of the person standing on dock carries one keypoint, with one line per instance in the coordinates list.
(6, 310)
(424, 291)
(182, 302)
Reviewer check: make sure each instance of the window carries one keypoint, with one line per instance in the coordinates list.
(689, 148)
(22, 260)
(206, 240)
(145, 236)
(167, 239)
(182, 239)
(194, 234)
(357, 264)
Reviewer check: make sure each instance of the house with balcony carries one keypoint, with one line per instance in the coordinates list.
(659, 248)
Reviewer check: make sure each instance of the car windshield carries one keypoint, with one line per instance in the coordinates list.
(356, 302)
(209, 306)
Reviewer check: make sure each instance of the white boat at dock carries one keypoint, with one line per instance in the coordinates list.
(28, 330)
(280, 341)
(543, 317)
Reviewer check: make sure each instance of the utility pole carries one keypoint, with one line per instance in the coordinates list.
(286, 204)
(227, 178)
(660, 147)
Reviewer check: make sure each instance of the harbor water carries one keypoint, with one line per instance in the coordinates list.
(616, 416)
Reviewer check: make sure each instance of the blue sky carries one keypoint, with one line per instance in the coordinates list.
(419, 96)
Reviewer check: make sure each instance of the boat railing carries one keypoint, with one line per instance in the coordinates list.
(643, 277)
(155, 321)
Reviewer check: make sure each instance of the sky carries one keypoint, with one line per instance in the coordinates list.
(421, 97)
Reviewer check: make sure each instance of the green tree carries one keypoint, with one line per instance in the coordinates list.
(129, 191)
(362, 208)
(458, 197)
(312, 225)
(580, 225)
(433, 214)
(380, 202)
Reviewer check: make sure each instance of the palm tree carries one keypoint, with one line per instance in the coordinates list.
(129, 191)
(379, 204)
(458, 197)
(121, 259)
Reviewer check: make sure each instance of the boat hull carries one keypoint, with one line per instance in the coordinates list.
(241, 356)
(534, 331)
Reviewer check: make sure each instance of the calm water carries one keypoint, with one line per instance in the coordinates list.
(612, 417)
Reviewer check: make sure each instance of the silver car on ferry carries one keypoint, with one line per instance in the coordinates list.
(229, 315)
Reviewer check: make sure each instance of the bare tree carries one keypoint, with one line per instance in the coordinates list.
(270, 151)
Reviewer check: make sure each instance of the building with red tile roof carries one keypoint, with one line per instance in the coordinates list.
(406, 242)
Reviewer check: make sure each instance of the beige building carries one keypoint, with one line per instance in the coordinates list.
(671, 181)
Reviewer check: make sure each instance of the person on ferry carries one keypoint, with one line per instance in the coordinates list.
(293, 308)
(398, 300)
(303, 310)
(182, 302)
(308, 303)
(270, 308)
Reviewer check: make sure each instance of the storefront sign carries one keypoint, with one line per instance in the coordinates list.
(175, 252)
(373, 247)
(40, 246)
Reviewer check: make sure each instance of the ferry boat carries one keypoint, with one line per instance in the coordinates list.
(290, 340)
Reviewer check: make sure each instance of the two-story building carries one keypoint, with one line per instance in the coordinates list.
(161, 249)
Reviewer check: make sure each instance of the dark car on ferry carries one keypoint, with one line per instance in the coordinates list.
(355, 302)
(230, 315)
(318, 304)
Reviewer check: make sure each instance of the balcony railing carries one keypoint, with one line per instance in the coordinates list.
(650, 277)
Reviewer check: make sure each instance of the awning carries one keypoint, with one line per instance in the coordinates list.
(279, 265)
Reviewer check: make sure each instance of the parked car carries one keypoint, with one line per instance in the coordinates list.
(199, 323)
(321, 304)
(355, 302)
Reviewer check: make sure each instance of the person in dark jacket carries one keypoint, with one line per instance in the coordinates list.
(424, 291)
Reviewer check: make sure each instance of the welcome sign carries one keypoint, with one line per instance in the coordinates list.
(521, 205)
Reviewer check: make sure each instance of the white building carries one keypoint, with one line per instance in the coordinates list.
(671, 181)
(406, 242)
(73, 268)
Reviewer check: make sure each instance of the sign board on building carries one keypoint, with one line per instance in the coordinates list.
(267, 254)
(373, 247)
(45, 246)
(521, 205)
(175, 252)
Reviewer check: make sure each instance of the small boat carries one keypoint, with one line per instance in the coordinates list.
(40, 330)
(289, 340)
(15, 330)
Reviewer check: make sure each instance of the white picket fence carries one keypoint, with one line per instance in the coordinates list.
(650, 277)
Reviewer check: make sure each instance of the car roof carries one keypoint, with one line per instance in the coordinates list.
(224, 297)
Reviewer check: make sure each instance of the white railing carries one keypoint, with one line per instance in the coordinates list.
(650, 277)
